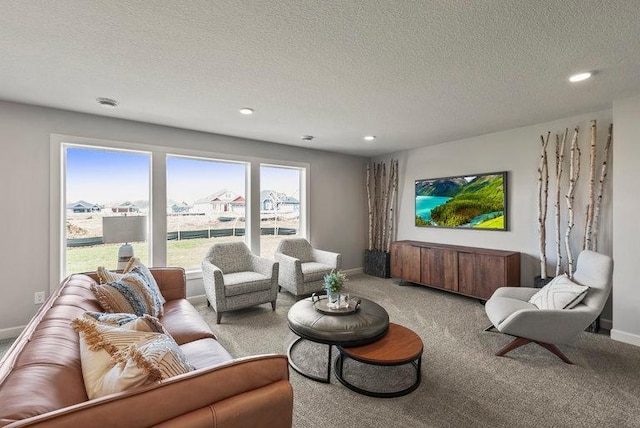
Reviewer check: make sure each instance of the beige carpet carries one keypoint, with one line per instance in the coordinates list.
(463, 383)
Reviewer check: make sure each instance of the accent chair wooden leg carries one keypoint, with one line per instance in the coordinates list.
(279, 288)
(521, 341)
(208, 303)
(555, 350)
(273, 305)
(218, 317)
(515, 343)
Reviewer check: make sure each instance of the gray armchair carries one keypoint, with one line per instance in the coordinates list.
(235, 279)
(511, 313)
(302, 267)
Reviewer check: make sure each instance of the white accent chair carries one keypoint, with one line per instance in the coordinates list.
(302, 267)
(511, 313)
(234, 278)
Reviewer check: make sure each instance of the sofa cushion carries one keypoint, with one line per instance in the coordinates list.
(314, 271)
(115, 359)
(184, 323)
(245, 282)
(559, 293)
(205, 353)
(130, 294)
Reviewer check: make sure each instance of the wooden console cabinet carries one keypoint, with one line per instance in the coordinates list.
(474, 272)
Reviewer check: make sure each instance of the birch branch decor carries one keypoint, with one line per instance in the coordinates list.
(588, 229)
(543, 193)
(603, 176)
(382, 187)
(574, 174)
(560, 142)
(590, 199)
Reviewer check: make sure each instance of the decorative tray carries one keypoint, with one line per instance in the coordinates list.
(322, 305)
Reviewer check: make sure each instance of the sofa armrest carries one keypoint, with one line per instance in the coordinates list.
(252, 391)
(328, 258)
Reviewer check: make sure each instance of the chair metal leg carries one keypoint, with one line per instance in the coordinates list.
(521, 341)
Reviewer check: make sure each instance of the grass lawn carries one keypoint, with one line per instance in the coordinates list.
(187, 253)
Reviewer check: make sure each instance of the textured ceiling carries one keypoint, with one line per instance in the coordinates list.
(414, 73)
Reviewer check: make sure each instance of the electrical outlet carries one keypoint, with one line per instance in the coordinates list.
(38, 297)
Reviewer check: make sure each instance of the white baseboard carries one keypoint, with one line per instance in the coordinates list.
(606, 324)
(200, 298)
(623, 336)
(354, 271)
(11, 333)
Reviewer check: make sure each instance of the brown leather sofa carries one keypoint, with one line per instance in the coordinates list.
(41, 380)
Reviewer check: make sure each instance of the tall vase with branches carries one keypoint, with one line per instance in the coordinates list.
(382, 186)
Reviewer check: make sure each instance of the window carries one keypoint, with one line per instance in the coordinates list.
(205, 204)
(102, 183)
(279, 206)
(182, 200)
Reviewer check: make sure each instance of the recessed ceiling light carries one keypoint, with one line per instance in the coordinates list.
(307, 138)
(246, 110)
(370, 137)
(107, 102)
(579, 77)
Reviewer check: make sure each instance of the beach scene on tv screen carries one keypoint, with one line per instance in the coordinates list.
(474, 201)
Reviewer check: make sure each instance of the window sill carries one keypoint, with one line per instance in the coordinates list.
(193, 274)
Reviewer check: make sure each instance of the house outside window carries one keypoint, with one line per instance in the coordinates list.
(279, 206)
(205, 204)
(101, 183)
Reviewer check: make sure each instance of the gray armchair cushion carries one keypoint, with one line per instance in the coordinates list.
(245, 282)
(313, 271)
(499, 308)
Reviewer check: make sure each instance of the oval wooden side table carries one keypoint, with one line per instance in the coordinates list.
(398, 347)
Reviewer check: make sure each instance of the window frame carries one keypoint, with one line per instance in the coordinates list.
(158, 195)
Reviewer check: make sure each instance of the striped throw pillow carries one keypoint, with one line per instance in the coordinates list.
(135, 266)
(129, 295)
(115, 359)
(127, 321)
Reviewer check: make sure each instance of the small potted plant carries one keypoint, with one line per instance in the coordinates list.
(333, 283)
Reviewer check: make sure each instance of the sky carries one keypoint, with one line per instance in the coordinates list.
(107, 176)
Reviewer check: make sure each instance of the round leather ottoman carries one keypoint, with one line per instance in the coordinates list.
(368, 324)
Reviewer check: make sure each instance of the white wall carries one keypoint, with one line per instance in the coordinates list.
(337, 199)
(518, 152)
(626, 232)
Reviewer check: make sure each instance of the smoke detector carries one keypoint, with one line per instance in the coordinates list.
(107, 102)
(307, 138)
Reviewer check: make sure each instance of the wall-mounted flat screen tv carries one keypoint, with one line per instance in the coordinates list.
(475, 201)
